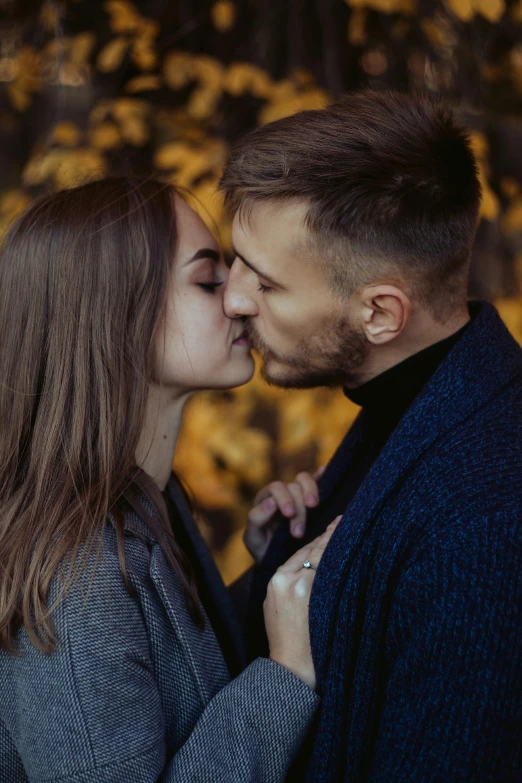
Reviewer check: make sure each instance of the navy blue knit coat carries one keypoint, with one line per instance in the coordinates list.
(416, 611)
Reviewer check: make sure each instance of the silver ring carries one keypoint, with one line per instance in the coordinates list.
(307, 564)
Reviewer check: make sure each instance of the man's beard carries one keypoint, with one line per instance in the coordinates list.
(333, 357)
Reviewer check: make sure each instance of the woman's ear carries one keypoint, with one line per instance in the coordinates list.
(385, 312)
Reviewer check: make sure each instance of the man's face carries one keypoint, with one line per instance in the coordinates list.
(301, 329)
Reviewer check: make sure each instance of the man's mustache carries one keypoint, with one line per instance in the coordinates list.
(255, 341)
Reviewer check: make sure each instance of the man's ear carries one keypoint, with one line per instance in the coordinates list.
(385, 312)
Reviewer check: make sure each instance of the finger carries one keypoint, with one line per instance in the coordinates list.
(262, 513)
(319, 472)
(279, 492)
(295, 562)
(319, 545)
(309, 488)
(298, 522)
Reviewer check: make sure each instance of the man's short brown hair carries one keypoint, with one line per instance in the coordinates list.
(390, 184)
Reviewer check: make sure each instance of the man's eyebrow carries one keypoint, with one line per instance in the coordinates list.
(205, 252)
(258, 272)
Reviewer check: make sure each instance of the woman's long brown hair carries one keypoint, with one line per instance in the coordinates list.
(83, 281)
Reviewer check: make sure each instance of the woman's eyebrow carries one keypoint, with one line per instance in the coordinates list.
(205, 252)
(258, 272)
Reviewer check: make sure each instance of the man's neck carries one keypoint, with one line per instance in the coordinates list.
(422, 331)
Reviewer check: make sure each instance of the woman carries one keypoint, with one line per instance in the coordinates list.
(110, 611)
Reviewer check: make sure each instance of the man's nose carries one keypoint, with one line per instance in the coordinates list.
(237, 302)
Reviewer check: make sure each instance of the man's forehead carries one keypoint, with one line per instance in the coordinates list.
(272, 227)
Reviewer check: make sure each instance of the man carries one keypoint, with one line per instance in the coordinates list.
(353, 228)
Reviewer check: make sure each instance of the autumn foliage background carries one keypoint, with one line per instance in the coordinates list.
(91, 88)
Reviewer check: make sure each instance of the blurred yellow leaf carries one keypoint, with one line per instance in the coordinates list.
(26, 78)
(493, 10)
(42, 166)
(111, 56)
(209, 72)
(197, 458)
(135, 130)
(317, 416)
(123, 16)
(510, 187)
(12, 204)
(492, 72)
(489, 207)
(440, 34)
(202, 103)
(207, 201)
(510, 309)
(58, 47)
(463, 9)
(385, 6)
(106, 136)
(516, 11)
(78, 167)
(515, 63)
(170, 156)
(125, 108)
(374, 61)
(81, 48)
(479, 145)
(243, 77)
(245, 451)
(144, 83)
(285, 103)
(67, 134)
(234, 559)
(149, 28)
(512, 219)
(357, 27)
(144, 54)
(100, 111)
(20, 98)
(178, 70)
(50, 15)
(223, 14)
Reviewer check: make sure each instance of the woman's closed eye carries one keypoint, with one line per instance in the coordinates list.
(210, 287)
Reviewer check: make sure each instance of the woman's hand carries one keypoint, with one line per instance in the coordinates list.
(292, 500)
(286, 608)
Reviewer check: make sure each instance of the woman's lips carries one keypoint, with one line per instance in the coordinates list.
(241, 340)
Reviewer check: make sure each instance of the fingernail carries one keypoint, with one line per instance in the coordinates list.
(269, 504)
(299, 531)
(288, 510)
(312, 500)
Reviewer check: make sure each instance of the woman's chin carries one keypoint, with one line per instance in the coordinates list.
(236, 373)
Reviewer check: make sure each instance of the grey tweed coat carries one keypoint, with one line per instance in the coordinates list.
(135, 692)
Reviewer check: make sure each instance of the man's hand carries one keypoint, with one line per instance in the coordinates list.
(292, 500)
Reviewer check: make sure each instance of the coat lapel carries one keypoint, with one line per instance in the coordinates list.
(212, 576)
(483, 362)
(200, 645)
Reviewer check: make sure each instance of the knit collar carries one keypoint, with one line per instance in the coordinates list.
(393, 391)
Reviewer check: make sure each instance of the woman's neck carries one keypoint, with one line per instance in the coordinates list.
(157, 444)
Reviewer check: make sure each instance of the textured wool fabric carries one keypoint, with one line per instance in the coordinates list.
(416, 610)
(136, 692)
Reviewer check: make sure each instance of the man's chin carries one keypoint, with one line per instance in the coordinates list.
(285, 377)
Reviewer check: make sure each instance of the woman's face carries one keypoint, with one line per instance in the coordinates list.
(200, 348)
